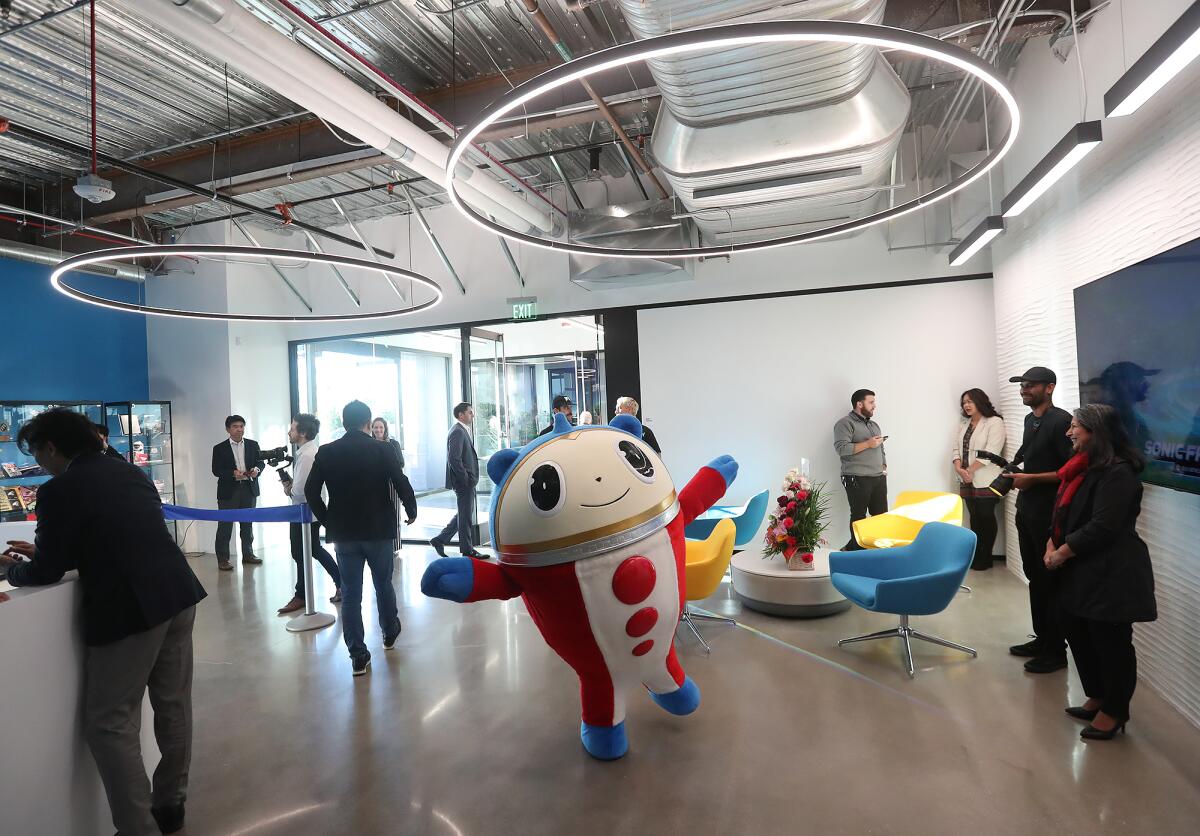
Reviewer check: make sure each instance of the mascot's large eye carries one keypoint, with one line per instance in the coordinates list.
(637, 460)
(547, 490)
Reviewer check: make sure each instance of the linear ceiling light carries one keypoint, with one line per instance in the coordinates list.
(722, 37)
(211, 251)
(1177, 48)
(1072, 148)
(978, 238)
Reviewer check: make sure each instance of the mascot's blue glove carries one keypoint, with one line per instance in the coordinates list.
(727, 467)
(451, 578)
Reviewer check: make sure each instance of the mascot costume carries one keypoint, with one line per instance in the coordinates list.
(588, 529)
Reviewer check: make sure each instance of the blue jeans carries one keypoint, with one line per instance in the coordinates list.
(352, 557)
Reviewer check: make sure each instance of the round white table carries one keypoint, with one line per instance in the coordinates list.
(767, 585)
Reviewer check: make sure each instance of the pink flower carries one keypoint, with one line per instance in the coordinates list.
(801, 496)
(791, 506)
(807, 557)
(788, 522)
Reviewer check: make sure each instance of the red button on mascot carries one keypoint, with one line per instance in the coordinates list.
(588, 529)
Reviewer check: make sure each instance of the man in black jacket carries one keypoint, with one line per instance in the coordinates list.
(561, 404)
(236, 463)
(1044, 449)
(104, 518)
(102, 431)
(361, 520)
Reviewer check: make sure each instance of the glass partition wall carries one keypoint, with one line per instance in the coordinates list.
(510, 372)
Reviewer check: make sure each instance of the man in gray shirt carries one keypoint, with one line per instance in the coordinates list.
(857, 439)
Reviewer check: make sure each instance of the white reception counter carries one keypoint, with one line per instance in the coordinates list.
(50, 786)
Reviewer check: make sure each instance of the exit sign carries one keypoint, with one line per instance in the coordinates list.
(523, 308)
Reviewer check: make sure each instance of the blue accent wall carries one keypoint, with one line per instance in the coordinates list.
(61, 349)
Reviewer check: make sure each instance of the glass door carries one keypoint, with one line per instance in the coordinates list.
(491, 427)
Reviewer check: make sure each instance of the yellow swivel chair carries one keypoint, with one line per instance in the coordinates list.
(899, 526)
(707, 561)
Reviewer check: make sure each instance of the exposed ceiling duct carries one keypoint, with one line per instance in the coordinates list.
(766, 140)
(228, 32)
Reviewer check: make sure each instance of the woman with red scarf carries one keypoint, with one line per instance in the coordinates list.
(1107, 580)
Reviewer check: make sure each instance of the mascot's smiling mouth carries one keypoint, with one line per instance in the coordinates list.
(606, 504)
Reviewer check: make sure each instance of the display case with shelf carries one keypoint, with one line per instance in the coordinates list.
(20, 475)
(141, 432)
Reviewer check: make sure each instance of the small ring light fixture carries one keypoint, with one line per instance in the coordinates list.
(217, 251)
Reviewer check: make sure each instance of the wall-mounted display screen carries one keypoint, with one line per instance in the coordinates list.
(1138, 338)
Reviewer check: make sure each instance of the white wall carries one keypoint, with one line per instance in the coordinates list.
(766, 380)
(1135, 196)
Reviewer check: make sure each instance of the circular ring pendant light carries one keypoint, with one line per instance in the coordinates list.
(722, 37)
(220, 250)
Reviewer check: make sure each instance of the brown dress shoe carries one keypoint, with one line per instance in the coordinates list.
(252, 560)
(292, 606)
(224, 565)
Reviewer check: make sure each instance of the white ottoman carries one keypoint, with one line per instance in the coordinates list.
(767, 585)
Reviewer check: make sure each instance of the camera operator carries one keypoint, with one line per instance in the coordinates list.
(303, 432)
(1044, 449)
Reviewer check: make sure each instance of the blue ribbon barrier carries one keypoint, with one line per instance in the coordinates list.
(274, 513)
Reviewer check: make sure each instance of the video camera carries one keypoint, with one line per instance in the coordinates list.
(1003, 483)
(279, 458)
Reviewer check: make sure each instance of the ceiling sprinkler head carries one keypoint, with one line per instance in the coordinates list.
(94, 189)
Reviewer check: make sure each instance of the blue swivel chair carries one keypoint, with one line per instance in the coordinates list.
(918, 579)
(746, 519)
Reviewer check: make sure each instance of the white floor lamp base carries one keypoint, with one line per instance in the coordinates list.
(310, 621)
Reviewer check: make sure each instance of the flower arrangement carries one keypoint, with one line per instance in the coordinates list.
(799, 520)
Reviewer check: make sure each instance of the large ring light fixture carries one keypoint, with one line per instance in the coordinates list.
(217, 250)
(718, 37)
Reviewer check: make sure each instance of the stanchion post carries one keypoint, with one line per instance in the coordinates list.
(312, 619)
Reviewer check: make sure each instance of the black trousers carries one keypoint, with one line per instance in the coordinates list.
(1105, 661)
(1033, 530)
(296, 534)
(460, 523)
(867, 494)
(242, 497)
(982, 512)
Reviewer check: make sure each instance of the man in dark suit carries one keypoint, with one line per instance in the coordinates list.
(628, 406)
(236, 463)
(361, 520)
(561, 404)
(104, 518)
(462, 475)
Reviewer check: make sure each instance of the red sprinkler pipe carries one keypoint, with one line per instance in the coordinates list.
(432, 114)
(93, 28)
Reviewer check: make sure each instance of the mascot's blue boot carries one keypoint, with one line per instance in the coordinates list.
(684, 701)
(606, 743)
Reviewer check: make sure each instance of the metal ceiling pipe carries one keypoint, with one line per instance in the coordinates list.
(70, 225)
(229, 32)
(52, 258)
(417, 106)
(560, 46)
(50, 141)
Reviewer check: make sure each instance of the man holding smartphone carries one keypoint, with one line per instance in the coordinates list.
(859, 442)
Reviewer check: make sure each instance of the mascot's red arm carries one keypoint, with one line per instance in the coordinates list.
(706, 488)
(491, 583)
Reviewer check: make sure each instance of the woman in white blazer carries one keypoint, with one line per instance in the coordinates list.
(983, 429)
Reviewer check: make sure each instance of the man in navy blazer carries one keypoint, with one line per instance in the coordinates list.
(462, 475)
(236, 462)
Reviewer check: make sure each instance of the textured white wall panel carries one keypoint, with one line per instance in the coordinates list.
(1137, 195)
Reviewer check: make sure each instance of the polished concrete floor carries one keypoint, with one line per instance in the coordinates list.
(470, 726)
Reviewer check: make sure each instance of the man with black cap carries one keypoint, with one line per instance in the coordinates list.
(1044, 449)
(561, 404)
(1123, 385)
